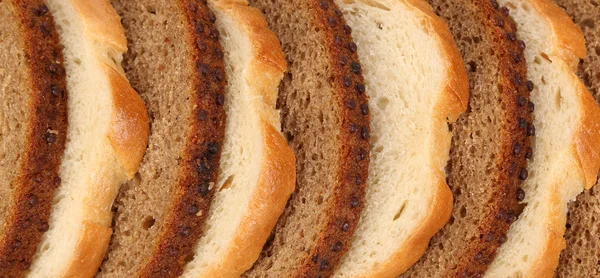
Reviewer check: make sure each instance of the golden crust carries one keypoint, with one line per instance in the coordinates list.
(278, 172)
(275, 185)
(89, 251)
(102, 22)
(569, 45)
(452, 102)
(129, 124)
(568, 40)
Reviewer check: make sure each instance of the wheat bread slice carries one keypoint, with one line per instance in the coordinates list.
(325, 117)
(581, 257)
(567, 147)
(490, 144)
(33, 129)
(257, 173)
(417, 84)
(58, 224)
(175, 61)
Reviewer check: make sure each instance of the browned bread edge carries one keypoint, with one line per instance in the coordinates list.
(200, 160)
(38, 178)
(453, 101)
(277, 177)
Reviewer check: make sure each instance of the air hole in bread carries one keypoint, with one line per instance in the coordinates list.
(227, 183)
(463, 212)
(511, 5)
(400, 211)
(383, 103)
(537, 60)
(545, 56)
(189, 258)
(148, 222)
(558, 99)
(151, 10)
(472, 66)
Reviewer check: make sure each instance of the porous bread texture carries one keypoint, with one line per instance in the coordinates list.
(157, 65)
(14, 98)
(303, 95)
(106, 137)
(257, 172)
(325, 117)
(417, 83)
(485, 171)
(581, 257)
(566, 153)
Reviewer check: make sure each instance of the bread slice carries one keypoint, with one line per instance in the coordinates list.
(175, 61)
(566, 156)
(490, 142)
(33, 129)
(325, 117)
(413, 95)
(582, 235)
(256, 171)
(58, 219)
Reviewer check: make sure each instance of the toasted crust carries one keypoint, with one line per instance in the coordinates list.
(129, 125)
(201, 156)
(568, 40)
(38, 177)
(341, 217)
(277, 175)
(102, 23)
(275, 185)
(452, 102)
(569, 46)
(89, 251)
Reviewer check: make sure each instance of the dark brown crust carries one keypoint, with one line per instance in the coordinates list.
(512, 164)
(344, 211)
(200, 162)
(38, 177)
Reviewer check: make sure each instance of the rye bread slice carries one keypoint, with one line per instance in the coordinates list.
(581, 257)
(33, 129)
(79, 51)
(257, 172)
(566, 156)
(326, 119)
(176, 63)
(490, 146)
(413, 95)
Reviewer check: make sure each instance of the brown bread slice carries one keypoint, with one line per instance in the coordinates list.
(325, 117)
(175, 61)
(581, 257)
(59, 225)
(33, 129)
(490, 144)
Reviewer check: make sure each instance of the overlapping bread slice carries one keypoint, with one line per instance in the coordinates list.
(66, 58)
(325, 117)
(195, 63)
(490, 143)
(566, 153)
(581, 256)
(417, 84)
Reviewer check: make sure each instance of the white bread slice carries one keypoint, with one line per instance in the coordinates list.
(417, 84)
(106, 139)
(257, 172)
(566, 155)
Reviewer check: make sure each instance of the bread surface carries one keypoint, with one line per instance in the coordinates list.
(175, 61)
(567, 149)
(417, 84)
(33, 129)
(490, 142)
(326, 121)
(582, 235)
(257, 171)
